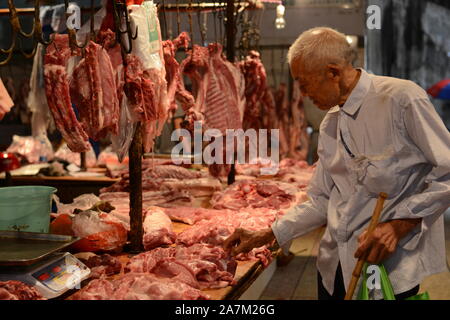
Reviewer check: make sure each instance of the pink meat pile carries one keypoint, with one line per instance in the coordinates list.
(138, 286)
(296, 172)
(17, 290)
(100, 265)
(220, 225)
(158, 229)
(256, 194)
(200, 266)
(152, 177)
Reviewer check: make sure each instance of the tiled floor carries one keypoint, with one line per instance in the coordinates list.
(298, 280)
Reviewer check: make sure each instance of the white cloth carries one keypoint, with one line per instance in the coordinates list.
(402, 148)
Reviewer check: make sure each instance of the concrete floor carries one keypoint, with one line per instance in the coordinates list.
(298, 280)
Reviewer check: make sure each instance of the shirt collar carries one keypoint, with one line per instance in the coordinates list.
(358, 94)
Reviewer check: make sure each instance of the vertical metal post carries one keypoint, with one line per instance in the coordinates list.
(83, 161)
(135, 171)
(231, 38)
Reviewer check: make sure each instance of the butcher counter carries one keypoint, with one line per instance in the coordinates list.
(251, 276)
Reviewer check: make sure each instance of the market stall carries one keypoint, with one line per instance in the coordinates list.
(126, 229)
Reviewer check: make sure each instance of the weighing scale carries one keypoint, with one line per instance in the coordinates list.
(36, 259)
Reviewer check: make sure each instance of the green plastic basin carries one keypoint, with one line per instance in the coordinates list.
(26, 208)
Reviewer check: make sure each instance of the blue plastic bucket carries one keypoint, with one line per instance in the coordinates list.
(26, 208)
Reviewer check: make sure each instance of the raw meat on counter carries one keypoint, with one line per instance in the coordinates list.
(256, 194)
(17, 290)
(153, 176)
(100, 265)
(101, 231)
(158, 229)
(192, 215)
(98, 231)
(201, 187)
(138, 286)
(121, 200)
(219, 227)
(199, 265)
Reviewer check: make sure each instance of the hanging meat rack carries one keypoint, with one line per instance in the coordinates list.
(120, 13)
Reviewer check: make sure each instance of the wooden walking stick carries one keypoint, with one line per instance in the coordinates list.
(359, 265)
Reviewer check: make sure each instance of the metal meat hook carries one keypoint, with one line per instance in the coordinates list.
(119, 9)
(15, 22)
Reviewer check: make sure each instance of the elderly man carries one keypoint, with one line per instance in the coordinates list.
(380, 134)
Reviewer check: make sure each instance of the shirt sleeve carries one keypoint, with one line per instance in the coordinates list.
(308, 215)
(429, 134)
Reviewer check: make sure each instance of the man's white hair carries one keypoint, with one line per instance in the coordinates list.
(318, 47)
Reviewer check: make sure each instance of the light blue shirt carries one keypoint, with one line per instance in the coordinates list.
(401, 147)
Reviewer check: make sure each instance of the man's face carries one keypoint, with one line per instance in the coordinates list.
(322, 87)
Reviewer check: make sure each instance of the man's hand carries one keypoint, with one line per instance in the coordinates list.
(384, 239)
(243, 240)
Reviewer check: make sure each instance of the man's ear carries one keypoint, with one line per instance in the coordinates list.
(334, 72)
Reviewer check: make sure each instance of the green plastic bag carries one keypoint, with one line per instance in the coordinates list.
(386, 287)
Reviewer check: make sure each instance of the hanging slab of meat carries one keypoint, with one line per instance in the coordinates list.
(146, 91)
(107, 39)
(98, 231)
(139, 286)
(218, 87)
(94, 91)
(255, 194)
(58, 94)
(17, 290)
(173, 72)
(256, 91)
(200, 265)
(158, 229)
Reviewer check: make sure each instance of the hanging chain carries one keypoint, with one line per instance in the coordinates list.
(170, 25)
(283, 62)
(178, 18)
(205, 27)
(165, 19)
(200, 27)
(272, 69)
(243, 41)
(220, 18)
(190, 21)
(215, 22)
